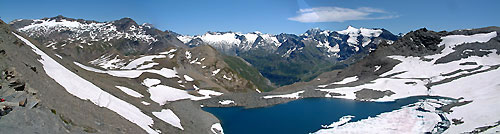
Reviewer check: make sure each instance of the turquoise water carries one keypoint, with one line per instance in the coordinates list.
(300, 116)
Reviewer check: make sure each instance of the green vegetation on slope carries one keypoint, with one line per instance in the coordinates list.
(288, 70)
(248, 72)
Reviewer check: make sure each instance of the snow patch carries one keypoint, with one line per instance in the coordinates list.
(226, 102)
(59, 56)
(291, 96)
(161, 94)
(188, 55)
(145, 103)
(222, 38)
(106, 62)
(405, 120)
(377, 68)
(225, 77)
(165, 72)
(206, 94)
(139, 61)
(185, 39)
(344, 81)
(187, 78)
(130, 92)
(347, 80)
(169, 117)
(217, 129)
(343, 120)
(148, 82)
(215, 72)
(169, 51)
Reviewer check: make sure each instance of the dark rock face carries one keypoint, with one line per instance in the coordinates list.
(124, 24)
(416, 43)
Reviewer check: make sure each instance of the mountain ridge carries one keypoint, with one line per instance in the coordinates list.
(88, 40)
(328, 49)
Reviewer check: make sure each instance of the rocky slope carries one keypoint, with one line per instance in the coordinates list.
(64, 96)
(37, 103)
(290, 58)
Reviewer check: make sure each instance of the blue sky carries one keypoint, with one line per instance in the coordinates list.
(268, 16)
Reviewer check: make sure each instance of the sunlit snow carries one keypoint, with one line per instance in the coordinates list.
(226, 102)
(85, 90)
(169, 117)
(130, 91)
(217, 129)
(295, 95)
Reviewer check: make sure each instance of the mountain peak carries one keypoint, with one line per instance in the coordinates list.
(125, 23)
(351, 27)
(348, 30)
(314, 30)
(58, 18)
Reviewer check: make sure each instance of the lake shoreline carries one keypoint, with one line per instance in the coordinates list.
(308, 110)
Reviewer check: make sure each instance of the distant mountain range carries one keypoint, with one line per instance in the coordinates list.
(283, 58)
(288, 58)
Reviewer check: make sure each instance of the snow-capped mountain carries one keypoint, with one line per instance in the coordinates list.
(87, 31)
(231, 42)
(333, 43)
(72, 36)
(288, 58)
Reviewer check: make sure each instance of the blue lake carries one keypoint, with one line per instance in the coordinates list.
(300, 116)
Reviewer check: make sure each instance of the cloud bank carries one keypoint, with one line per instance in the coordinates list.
(339, 14)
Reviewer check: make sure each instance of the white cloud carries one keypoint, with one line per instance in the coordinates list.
(339, 14)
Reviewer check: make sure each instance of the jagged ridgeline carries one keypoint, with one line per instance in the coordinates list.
(283, 58)
(288, 58)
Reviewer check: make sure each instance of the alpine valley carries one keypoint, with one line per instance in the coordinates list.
(66, 75)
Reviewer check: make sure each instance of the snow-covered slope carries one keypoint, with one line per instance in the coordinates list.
(463, 65)
(126, 99)
(408, 120)
(86, 90)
